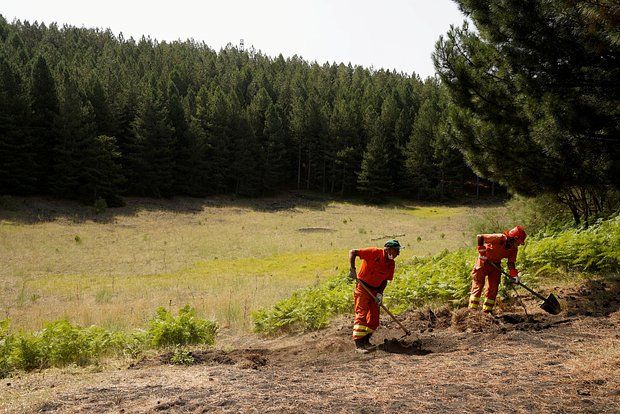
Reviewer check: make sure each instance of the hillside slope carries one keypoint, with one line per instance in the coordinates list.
(454, 362)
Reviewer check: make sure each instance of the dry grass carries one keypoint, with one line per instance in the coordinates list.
(225, 257)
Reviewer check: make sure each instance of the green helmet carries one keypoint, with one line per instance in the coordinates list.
(392, 243)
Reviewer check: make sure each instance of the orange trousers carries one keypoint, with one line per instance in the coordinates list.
(366, 313)
(479, 273)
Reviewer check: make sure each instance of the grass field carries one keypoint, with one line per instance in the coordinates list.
(225, 257)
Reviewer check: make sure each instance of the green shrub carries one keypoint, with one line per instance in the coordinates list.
(442, 278)
(541, 214)
(5, 348)
(63, 344)
(25, 352)
(594, 249)
(60, 343)
(185, 329)
(181, 356)
(307, 309)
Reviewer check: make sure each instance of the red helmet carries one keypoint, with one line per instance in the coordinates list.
(518, 233)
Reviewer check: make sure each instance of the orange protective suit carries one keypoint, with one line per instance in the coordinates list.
(496, 250)
(376, 268)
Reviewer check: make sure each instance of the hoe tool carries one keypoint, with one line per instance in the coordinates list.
(407, 332)
(550, 304)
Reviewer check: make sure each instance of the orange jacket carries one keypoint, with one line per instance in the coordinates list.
(496, 248)
(376, 267)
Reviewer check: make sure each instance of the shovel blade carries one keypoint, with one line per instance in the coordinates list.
(551, 305)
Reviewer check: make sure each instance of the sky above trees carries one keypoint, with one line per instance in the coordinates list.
(398, 34)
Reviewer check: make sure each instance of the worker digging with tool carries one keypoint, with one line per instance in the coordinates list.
(492, 248)
(376, 269)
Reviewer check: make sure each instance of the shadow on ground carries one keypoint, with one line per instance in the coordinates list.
(33, 210)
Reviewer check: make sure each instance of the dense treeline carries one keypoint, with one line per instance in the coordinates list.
(89, 115)
(535, 98)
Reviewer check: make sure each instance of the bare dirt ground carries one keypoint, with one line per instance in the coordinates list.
(453, 362)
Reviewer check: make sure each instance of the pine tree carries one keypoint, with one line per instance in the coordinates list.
(43, 112)
(85, 164)
(73, 128)
(535, 105)
(101, 108)
(247, 167)
(183, 145)
(152, 169)
(374, 179)
(212, 114)
(275, 151)
(257, 111)
(17, 167)
(102, 176)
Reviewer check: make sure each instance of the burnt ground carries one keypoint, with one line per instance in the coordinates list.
(455, 361)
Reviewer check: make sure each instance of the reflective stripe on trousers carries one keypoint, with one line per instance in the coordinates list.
(360, 331)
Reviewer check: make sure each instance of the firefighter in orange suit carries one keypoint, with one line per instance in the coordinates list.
(376, 269)
(492, 248)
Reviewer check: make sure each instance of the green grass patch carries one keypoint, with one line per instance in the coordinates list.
(431, 212)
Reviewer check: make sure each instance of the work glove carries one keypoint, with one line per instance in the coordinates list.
(353, 273)
(514, 276)
(379, 298)
(482, 251)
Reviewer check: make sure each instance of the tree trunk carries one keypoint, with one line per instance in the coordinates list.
(308, 177)
(441, 183)
(324, 173)
(333, 175)
(299, 167)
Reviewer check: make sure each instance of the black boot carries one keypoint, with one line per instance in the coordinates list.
(363, 345)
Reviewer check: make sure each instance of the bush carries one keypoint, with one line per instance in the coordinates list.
(542, 214)
(181, 356)
(443, 278)
(185, 329)
(60, 343)
(307, 309)
(594, 249)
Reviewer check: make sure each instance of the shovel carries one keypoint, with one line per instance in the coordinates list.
(550, 304)
(407, 332)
